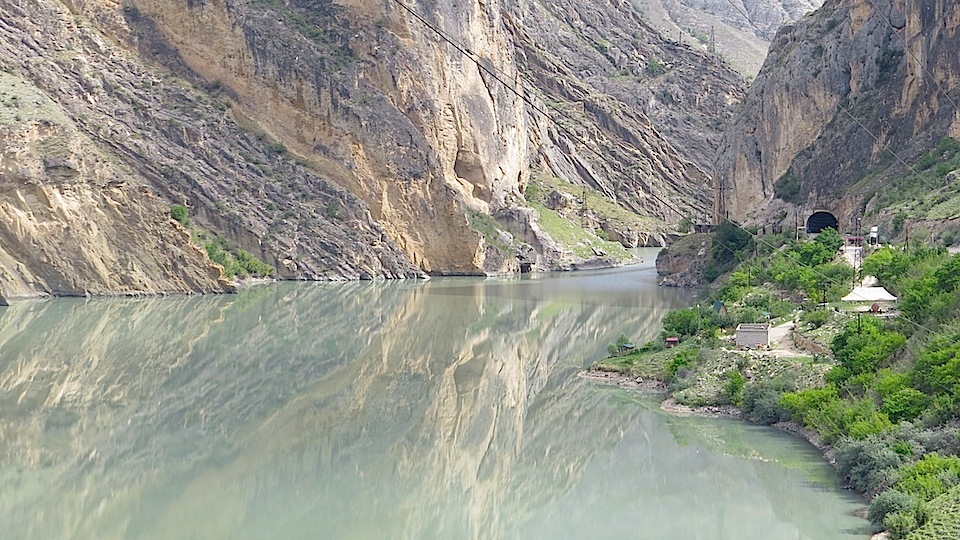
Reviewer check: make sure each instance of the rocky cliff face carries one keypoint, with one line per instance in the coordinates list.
(168, 137)
(649, 109)
(72, 221)
(740, 30)
(684, 262)
(839, 91)
(356, 90)
(347, 139)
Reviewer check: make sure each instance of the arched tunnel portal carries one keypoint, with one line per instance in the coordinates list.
(821, 220)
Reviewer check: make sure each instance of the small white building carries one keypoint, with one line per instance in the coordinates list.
(753, 335)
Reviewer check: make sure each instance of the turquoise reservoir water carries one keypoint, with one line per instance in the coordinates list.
(440, 409)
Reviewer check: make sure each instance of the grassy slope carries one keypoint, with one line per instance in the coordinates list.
(571, 235)
(944, 521)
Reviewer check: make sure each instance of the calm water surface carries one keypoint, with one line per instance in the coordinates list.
(444, 409)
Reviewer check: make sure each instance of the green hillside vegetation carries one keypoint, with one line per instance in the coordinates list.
(777, 280)
(887, 398)
(568, 233)
(943, 518)
(604, 208)
(236, 262)
(923, 192)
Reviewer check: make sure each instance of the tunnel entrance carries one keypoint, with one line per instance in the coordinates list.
(819, 221)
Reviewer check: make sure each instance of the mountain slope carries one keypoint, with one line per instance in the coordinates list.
(353, 139)
(844, 96)
(740, 30)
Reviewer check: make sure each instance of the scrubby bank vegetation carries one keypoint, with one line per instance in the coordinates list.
(236, 262)
(886, 398)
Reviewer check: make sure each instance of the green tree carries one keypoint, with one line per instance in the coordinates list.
(864, 345)
(730, 241)
(733, 389)
(682, 322)
(905, 404)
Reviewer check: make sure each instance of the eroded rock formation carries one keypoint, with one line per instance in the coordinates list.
(70, 221)
(740, 30)
(841, 90)
(363, 139)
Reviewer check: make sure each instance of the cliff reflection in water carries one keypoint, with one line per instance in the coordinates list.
(362, 410)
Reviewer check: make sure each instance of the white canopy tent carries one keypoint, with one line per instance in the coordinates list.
(869, 294)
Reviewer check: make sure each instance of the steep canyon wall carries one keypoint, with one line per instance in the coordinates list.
(845, 94)
(361, 138)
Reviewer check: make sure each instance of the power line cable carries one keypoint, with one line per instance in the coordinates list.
(914, 55)
(510, 87)
(492, 72)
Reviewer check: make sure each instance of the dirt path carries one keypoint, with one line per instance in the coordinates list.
(781, 341)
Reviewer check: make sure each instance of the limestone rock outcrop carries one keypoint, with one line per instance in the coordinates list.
(168, 137)
(840, 91)
(353, 139)
(740, 30)
(683, 263)
(648, 110)
(73, 222)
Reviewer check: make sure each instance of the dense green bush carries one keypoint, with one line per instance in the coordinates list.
(815, 318)
(886, 264)
(730, 242)
(888, 502)
(821, 250)
(869, 464)
(905, 404)
(937, 369)
(237, 262)
(930, 477)
(733, 388)
(682, 322)
(787, 187)
(682, 364)
(761, 401)
(902, 523)
(864, 345)
(179, 213)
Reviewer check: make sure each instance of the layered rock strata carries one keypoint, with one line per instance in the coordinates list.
(860, 87)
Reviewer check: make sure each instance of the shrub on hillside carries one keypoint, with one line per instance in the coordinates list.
(179, 213)
(930, 477)
(816, 318)
(761, 401)
(888, 502)
(682, 322)
(729, 241)
(902, 523)
(905, 404)
(864, 345)
(733, 388)
(868, 464)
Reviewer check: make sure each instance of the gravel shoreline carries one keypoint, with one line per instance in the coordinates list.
(624, 381)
